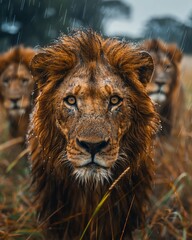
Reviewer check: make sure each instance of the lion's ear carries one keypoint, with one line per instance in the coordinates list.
(39, 68)
(5, 60)
(146, 67)
(26, 55)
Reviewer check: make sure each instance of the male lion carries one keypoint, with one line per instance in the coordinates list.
(165, 89)
(92, 120)
(16, 86)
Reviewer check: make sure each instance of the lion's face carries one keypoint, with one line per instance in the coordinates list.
(93, 116)
(16, 85)
(163, 79)
(166, 59)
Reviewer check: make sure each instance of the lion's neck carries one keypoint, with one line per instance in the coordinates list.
(77, 205)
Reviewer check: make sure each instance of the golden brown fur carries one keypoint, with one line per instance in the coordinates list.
(165, 88)
(16, 86)
(91, 121)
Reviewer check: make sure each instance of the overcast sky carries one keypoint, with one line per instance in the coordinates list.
(143, 10)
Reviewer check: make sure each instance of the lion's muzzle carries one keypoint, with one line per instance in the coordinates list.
(92, 147)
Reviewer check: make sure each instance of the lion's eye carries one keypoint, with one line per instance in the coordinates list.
(115, 100)
(70, 100)
(25, 81)
(167, 66)
(5, 82)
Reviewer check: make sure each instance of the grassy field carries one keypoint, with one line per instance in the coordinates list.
(170, 214)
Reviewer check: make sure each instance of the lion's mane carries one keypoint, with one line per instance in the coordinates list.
(65, 206)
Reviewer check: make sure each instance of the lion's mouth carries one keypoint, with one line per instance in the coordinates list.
(15, 107)
(92, 165)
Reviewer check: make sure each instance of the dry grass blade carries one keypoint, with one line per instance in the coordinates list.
(14, 163)
(173, 190)
(121, 238)
(11, 143)
(103, 200)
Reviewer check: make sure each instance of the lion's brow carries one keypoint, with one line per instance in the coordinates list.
(92, 77)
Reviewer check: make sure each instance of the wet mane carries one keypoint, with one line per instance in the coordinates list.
(83, 47)
(53, 184)
(18, 54)
(158, 46)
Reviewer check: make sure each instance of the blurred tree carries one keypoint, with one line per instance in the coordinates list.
(31, 22)
(89, 13)
(188, 45)
(190, 19)
(165, 28)
(37, 22)
(170, 30)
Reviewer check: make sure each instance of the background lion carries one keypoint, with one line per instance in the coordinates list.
(92, 121)
(165, 89)
(16, 86)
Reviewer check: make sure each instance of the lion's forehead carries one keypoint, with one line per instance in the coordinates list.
(100, 83)
(160, 58)
(16, 72)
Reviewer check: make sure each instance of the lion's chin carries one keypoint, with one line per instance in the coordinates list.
(93, 175)
(158, 97)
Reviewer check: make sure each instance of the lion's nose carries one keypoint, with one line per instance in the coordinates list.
(14, 102)
(160, 81)
(91, 147)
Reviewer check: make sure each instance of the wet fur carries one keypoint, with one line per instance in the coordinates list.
(65, 204)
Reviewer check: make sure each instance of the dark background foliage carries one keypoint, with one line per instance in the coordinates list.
(35, 22)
